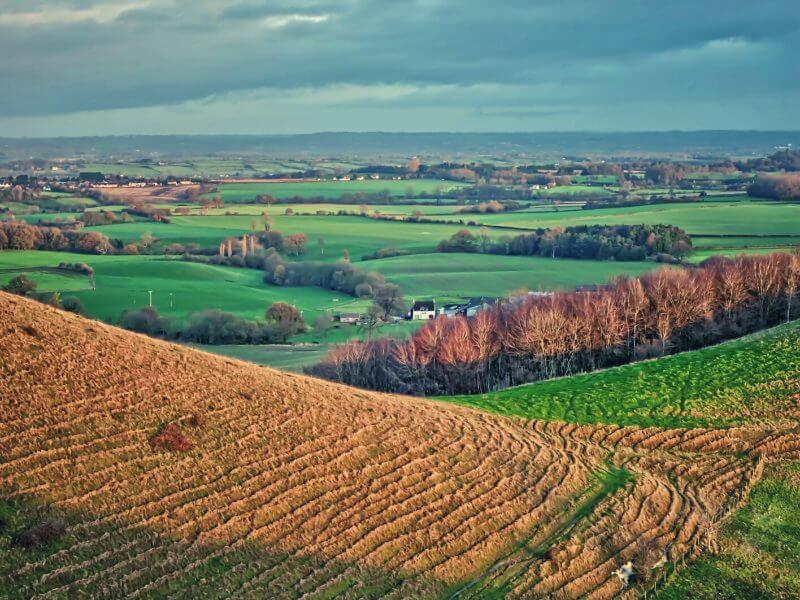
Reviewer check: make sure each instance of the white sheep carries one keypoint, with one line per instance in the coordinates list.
(625, 572)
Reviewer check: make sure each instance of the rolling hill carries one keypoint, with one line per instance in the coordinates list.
(131, 467)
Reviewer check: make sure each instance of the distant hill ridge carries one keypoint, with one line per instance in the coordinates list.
(541, 145)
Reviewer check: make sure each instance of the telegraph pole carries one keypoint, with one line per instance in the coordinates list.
(150, 292)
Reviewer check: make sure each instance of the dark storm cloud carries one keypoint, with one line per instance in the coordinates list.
(515, 58)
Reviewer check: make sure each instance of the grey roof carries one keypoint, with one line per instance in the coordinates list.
(424, 305)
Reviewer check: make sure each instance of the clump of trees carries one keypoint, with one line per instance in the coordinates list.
(22, 285)
(91, 218)
(218, 327)
(385, 253)
(15, 235)
(597, 242)
(340, 276)
(532, 337)
(783, 160)
(778, 186)
(492, 206)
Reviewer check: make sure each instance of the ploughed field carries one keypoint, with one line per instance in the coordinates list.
(163, 471)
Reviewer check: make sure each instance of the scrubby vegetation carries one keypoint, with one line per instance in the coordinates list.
(15, 235)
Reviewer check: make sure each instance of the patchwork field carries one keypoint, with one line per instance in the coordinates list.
(237, 192)
(169, 472)
(741, 217)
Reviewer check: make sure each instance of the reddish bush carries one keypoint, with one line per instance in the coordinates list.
(171, 438)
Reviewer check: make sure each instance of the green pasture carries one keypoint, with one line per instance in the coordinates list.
(256, 210)
(179, 287)
(734, 217)
(719, 386)
(358, 235)
(451, 276)
(286, 358)
(238, 192)
(574, 189)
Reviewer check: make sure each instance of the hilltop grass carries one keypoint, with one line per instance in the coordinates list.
(738, 382)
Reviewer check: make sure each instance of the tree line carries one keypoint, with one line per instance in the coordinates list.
(281, 321)
(597, 242)
(531, 338)
(15, 235)
(777, 186)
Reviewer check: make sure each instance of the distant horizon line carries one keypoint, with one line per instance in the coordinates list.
(386, 132)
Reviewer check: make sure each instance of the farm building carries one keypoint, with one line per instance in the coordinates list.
(422, 310)
(348, 318)
(477, 304)
(452, 310)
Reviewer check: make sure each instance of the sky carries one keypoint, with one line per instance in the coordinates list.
(111, 67)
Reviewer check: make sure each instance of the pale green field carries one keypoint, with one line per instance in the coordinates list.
(238, 192)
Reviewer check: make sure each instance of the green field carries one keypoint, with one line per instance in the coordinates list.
(256, 210)
(286, 358)
(742, 381)
(448, 276)
(238, 192)
(123, 282)
(715, 218)
(358, 235)
(576, 189)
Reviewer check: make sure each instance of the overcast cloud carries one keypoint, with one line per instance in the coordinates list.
(86, 67)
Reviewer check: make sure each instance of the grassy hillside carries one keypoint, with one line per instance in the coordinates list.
(755, 379)
(136, 467)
